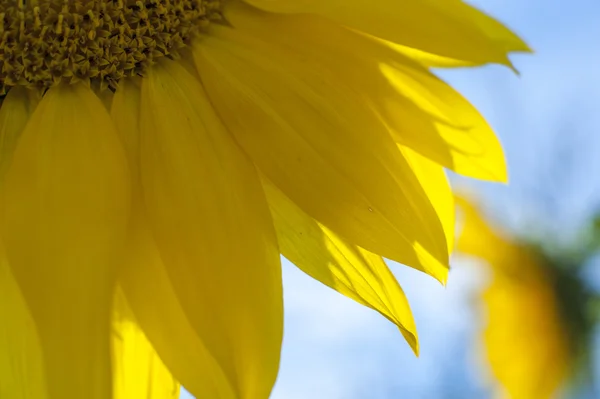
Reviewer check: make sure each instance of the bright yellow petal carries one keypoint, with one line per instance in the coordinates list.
(346, 268)
(318, 142)
(435, 120)
(213, 229)
(423, 112)
(21, 358)
(446, 28)
(501, 37)
(66, 209)
(138, 372)
(427, 59)
(435, 183)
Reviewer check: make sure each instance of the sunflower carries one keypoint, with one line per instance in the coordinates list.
(536, 319)
(159, 155)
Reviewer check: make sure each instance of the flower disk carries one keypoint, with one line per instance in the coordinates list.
(47, 42)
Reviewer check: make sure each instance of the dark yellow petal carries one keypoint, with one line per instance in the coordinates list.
(138, 372)
(447, 28)
(15, 111)
(21, 358)
(65, 213)
(348, 269)
(125, 112)
(146, 283)
(423, 112)
(318, 142)
(213, 229)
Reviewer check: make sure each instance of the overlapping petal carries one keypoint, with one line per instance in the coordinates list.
(17, 107)
(451, 29)
(437, 187)
(213, 229)
(331, 100)
(327, 152)
(156, 306)
(21, 357)
(146, 284)
(67, 197)
(348, 269)
(138, 372)
(421, 111)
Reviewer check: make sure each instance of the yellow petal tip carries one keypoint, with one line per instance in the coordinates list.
(412, 339)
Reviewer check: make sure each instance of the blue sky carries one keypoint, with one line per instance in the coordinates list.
(549, 123)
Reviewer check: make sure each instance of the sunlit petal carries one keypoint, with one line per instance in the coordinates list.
(319, 154)
(422, 112)
(348, 269)
(138, 372)
(447, 28)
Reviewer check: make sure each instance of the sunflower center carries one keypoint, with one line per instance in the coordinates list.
(45, 42)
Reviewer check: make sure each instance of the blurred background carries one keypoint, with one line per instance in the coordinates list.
(549, 122)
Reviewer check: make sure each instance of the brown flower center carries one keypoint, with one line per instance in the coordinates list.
(45, 42)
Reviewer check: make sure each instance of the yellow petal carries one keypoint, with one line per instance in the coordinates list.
(146, 283)
(423, 112)
(138, 371)
(213, 229)
(320, 144)
(155, 304)
(65, 212)
(435, 120)
(125, 113)
(15, 111)
(435, 183)
(498, 34)
(21, 358)
(427, 59)
(493, 29)
(348, 269)
(446, 28)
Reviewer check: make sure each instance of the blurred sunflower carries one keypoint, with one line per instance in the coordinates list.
(537, 309)
(172, 149)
